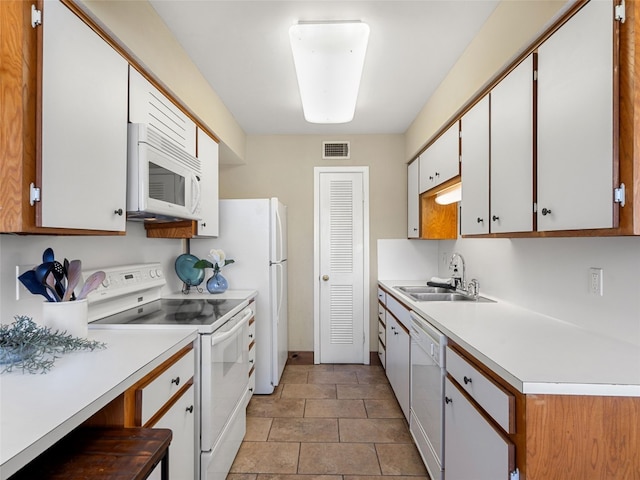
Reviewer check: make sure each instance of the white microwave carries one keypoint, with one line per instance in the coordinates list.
(163, 180)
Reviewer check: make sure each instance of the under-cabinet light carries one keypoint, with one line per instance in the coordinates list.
(449, 195)
(329, 57)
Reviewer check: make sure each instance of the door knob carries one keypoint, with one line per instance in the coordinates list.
(325, 277)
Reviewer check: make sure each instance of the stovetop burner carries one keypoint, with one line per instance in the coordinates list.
(187, 311)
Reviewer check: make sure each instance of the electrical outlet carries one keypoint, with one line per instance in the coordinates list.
(595, 281)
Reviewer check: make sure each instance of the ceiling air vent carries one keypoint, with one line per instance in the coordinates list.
(335, 150)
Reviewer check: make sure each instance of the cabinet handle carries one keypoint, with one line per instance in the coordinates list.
(480, 220)
(176, 381)
(430, 177)
(396, 333)
(204, 224)
(495, 218)
(448, 400)
(251, 335)
(467, 380)
(437, 174)
(546, 211)
(118, 212)
(415, 229)
(189, 409)
(251, 361)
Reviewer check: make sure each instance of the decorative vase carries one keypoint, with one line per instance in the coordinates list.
(67, 316)
(217, 283)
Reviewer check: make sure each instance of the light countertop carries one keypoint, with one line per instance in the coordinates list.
(38, 410)
(535, 353)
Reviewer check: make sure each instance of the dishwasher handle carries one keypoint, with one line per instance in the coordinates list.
(221, 337)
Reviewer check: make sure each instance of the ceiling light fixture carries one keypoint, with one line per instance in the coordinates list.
(329, 57)
(449, 195)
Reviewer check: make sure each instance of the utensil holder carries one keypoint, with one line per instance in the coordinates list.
(71, 317)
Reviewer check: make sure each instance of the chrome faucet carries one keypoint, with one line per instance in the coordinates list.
(458, 271)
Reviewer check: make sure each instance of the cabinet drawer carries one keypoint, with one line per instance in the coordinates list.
(382, 332)
(381, 311)
(497, 402)
(399, 311)
(154, 395)
(382, 296)
(382, 354)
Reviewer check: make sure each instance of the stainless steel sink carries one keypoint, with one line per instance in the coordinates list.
(417, 289)
(448, 297)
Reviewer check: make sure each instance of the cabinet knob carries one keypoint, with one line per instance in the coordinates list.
(480, 220)
(118, 212)
(437, 174)
(204, 224)
(189, 409)
(495, 218)
(415, 229)
(251, 335)
(448, 400)
(467, 380)
(396, 333)
(430, 177)
(251, 361)
(546, 211)
(176, 381)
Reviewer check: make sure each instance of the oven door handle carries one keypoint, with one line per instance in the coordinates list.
(221, 337)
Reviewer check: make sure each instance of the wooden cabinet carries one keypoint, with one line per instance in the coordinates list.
(413, 200)
(497, 157)
(441, 161)
(484, 411)
(84, 140)
(473, 446)
(575, 122)
(398, 343)
(165, 399)
(208, 154)
(512, 102)
(84, 126)
(475, 217)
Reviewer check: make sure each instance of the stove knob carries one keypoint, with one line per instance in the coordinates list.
(106, 282)
(152, 273)
(158, 273)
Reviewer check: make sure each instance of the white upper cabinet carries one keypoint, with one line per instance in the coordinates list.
(512, 151)
(441, 161)
(150, 106)
(475, 169)
(84, 126)
(413, 200)
(575, 122)
(208, 154)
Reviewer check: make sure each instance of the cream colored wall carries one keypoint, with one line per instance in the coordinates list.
(282, 166)
(139, 29)
(512, 27)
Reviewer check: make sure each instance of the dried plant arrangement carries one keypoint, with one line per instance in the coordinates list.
(32, 348)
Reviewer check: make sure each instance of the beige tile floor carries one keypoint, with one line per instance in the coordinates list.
(328, 422)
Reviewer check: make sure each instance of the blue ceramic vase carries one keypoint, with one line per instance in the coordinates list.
(217, 284)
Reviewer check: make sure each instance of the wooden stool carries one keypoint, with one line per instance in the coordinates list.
(103, 454)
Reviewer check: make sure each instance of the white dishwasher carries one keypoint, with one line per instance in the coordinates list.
(427, 391)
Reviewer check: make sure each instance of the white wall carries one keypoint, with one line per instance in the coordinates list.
(402, 259)
(95, 252)
(551, 276)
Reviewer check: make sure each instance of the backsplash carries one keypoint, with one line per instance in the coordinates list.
(551, 276)
(95, 252)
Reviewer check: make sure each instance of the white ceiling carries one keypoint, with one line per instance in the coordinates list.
(242, 49)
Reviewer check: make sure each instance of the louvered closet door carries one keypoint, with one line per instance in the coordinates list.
(341, 289)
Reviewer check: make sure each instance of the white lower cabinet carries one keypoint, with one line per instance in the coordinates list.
(397, 355)
(180, 420)
(474, 448)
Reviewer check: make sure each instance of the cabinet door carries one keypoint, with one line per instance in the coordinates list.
(475, 169)
(575, 122)
(149, 105)
(180, 418)
(398, 362)
(84, 126)
(208, 153)
(512, 151)
(473, 447)
(441, 161)
(413, 200)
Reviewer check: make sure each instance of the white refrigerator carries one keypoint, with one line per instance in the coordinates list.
(253, 232)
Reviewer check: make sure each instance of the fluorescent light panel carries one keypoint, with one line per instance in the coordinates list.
(449, 195)
(329, 57)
